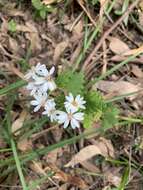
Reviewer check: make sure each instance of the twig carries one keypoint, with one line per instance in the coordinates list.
(105, 35)
(105, 63)
(80, 2)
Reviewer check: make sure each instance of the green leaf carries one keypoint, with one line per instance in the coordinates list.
(37, 4)
(71, 82)
(88, 120)
(94, 107)
(109, 118)
(12, 26)
(91, 118)
(43, 13)
(94, 102)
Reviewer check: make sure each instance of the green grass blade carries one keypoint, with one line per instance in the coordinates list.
(11, 99)
(18, 165)
(124, 179)
(115, 68)
(11, 87)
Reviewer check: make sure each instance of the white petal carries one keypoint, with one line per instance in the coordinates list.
(45, 87)
(61, 116)
(44, 112)
(51, 85)
(66, 123)
(37, 108)
(34, 103)
(74, 123)
(45, 72)
(77, 99)
(79, 116)
(70, 98)
(82, 106)
(52, 70)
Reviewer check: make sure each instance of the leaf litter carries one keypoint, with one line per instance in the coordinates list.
(58, 40)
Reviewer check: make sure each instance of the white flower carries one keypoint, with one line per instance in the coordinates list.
(46, 81)
(71, 118)
(37, 70)
(73, 104)
(50, 110)
(33, 88)
(40, 100)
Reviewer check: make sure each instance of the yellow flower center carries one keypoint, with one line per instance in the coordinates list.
(70, 116)
(74, 103)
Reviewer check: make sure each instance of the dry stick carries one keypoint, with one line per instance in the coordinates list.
(80, 2)
(105, 35)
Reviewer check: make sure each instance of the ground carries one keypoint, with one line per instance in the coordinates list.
(100, 40)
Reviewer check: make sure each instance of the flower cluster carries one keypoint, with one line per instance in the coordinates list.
(40, 83)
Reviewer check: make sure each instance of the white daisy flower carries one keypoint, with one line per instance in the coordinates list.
(40, 100)
(71, 118)
(36, 70)
(50, 110)
(74, 104)
(47, 82)
(33, 88)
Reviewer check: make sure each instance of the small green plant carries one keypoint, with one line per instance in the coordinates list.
(66, 100)
(41, 10)
(12, 26)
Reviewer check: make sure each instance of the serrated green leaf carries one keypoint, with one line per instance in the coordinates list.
(71, 82)
(90, 118)
(109, 118)
(94, 102)
(94, 107)
(87, 122)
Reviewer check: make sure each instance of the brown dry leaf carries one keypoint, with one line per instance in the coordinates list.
(63, 187)
(18, 123)
(78, 28)
(133, 51)
(74, 180)
(118, 88)
(37, 167)
(118, 46)
(100, 147)
(22, 28)
(90, 166)
(33, 36)
(137, 71)
(113, 175)
(13, 45)
(67, 178)
(59, 50)
(114, 180)
(108, 145)
(51, 157)
(141, 18)
(24, 145)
